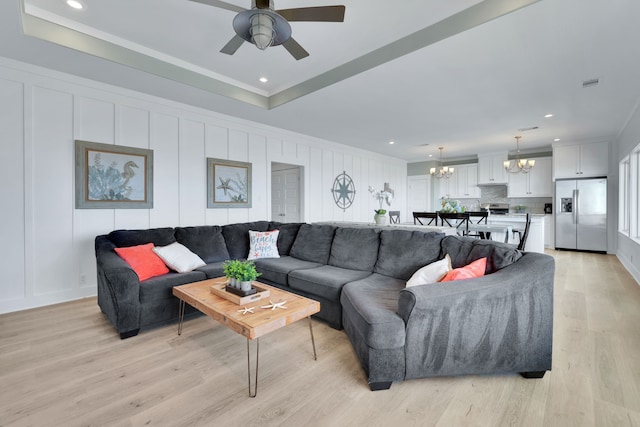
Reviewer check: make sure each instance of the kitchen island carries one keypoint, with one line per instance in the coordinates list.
(535, 240)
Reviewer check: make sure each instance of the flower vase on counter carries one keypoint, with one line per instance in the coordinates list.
(380, 217)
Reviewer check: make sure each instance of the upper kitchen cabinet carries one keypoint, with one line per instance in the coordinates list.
(536, 183)
(467, 185)
(581, 160)
(491, 168)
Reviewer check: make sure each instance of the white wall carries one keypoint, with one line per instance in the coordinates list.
(47, 253)
(628, 250)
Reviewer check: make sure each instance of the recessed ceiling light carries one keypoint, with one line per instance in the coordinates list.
(430, 155)
(556, 139)
(391, 142)
(76, 4)
(263, 79)
(546, 116)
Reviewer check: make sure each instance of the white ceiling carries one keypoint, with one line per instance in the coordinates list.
(457, 78)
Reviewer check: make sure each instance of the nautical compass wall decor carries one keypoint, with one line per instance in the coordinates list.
(343, 191)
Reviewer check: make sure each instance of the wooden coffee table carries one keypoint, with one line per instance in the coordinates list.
(251, 320)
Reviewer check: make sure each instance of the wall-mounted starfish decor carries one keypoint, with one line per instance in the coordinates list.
(246, 310)
(275, 305)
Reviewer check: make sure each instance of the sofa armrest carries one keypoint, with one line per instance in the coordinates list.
(499, 323)
(118, 288)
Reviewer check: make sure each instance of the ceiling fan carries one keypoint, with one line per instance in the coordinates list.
(264, 26)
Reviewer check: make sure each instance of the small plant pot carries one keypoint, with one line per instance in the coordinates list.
(380, 219)
(245, 286)
(233, 282)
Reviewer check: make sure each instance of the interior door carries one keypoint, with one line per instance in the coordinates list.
(418, 195)
(285, 195)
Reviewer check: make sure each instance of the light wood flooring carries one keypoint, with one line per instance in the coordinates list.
(64, 365)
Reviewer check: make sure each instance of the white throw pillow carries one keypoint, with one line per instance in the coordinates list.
(178, 257)
(263, 244)
(431, 273)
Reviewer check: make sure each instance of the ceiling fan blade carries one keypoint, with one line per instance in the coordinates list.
(233, 45)
(221, 5)
(295, 49)
(318, 14)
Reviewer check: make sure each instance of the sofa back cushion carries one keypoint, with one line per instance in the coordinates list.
(205, 241)
(465, 250)
(355, 248)
(288, 233)
(236, 237)
(313, 243)
(403, 252)
(157, 236)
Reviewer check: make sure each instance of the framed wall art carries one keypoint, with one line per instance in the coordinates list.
(113, 177)
(228, 184)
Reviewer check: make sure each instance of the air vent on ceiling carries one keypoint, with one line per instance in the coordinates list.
(422, 145)
(590, 83)
(527, 129)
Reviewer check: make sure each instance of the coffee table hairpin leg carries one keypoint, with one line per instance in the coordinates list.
(255, 387)
(180, 316)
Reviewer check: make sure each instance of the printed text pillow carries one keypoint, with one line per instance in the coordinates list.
(263, 244)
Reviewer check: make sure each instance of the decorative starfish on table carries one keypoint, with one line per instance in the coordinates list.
(273, 305)
(224, 185)
(246, 310)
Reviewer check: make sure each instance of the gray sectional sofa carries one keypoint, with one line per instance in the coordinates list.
(499, 323)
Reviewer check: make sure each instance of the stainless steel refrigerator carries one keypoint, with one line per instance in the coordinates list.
(581, 214)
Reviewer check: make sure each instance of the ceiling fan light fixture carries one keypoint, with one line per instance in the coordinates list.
(262, 30)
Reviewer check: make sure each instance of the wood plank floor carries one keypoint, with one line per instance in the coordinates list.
(64, 365)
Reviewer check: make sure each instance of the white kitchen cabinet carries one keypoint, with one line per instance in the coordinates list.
(549, 232)
(536, 183)
(491, 168)
(467, 185)
(581, 160)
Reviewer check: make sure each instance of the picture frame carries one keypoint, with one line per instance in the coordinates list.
(111, 176)
(228, 184)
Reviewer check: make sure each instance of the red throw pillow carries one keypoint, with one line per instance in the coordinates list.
(475, 269)
(143, 260)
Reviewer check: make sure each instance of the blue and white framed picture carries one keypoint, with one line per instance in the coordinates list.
(228, 184)
(113, 177)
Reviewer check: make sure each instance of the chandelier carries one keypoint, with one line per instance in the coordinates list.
(518, 165)
(441, 171)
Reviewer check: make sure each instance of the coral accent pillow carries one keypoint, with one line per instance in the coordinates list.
(263, 244)
(177, 257)
(475, 269)
(143, 260)
(431, 273)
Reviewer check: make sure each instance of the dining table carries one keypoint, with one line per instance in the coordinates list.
(485, 230)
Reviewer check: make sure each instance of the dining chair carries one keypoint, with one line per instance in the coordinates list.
(394, 217)
(525, 233)
(459, 220)
(418, 217)
(478, 217)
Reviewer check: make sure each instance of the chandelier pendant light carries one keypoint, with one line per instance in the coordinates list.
(519, 165)
(441, 171)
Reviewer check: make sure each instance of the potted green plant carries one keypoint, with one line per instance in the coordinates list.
(231, 271)
(380, 217)
(246, 274)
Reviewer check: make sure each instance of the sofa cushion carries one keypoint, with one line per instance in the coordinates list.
(143, 261)
(465, 250)
(263, 244)
(313, 243)
(205, 241)
(277, 269)
(470, 271)
(355, 248)
(157, 236)
(431, 273)
(369, 306)
(403, 252)
(178, 257)
(213, 269)
(326, 281)
(161, 287)
(288, 233)
(236, 237)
